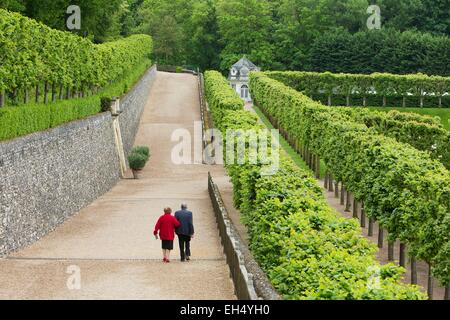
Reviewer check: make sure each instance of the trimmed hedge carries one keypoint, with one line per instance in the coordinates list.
(305, 247)
(220, 95)
(401, 187)
(23, 120)
(422, 132)
(32, 54)
(19, 121)
(385, 50)
(419, 89)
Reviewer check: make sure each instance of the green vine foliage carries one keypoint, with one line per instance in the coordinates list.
(403, 188)
(220, 95)
(23, 120)
(391, 86)
(424, 133)
(306, 248)
(32, 53)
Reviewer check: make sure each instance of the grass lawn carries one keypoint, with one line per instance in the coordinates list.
(443, 113)
(287, 147)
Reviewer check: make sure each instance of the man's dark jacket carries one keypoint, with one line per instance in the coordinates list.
(187, 225)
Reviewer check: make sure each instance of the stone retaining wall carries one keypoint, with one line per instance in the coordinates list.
(48, 176)
(133, 105)
(250, 281)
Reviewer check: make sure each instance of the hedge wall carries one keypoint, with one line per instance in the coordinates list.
(422, 132)
(33, 54)
(380, 51)
(305, 247)
(21, 120)
(402, 188)
(220, 96)
(378, 89)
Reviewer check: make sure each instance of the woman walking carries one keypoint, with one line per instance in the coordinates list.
(166, 226)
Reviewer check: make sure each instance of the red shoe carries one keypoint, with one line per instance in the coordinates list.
(167, 260)
(164, 260)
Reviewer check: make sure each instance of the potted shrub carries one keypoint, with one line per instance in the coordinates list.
(138, 159)
(142, 150)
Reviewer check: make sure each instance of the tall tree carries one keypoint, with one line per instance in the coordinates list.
(98, 17)
(165, 21)
(245, 28)
(202, 44)
(301, 21)
(422, 15)
(13, 5)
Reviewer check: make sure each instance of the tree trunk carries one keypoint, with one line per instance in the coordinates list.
(37, 93)
(370, 232)
(447, 292)
(380, 236)
(348, 101)
(54, 92)
(61, 92)
(440, 102)
(347, 202)
(317, 167)
(384, 101)
(314, 162)
(336, 189)
(402, 255)
(413, 270)
(355, 208)
(342, 195)
(26, 98)
(390, 251)
(329, 100)
(430, 283)
(325, 179)
(15, 94)
(404, 102)
(46, 92)
(365, 102)
(2, 99)
(421, 101)
(363, 216)
(310, 159)
(67, 93)
(330, 183)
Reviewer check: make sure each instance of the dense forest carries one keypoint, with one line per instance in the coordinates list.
(275, 34)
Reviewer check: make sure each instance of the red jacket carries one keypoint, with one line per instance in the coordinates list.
(166, 226)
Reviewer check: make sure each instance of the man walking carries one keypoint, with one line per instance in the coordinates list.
(185, 231)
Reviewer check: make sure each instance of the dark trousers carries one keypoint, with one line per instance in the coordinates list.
(185, 246)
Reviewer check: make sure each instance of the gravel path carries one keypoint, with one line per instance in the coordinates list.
(110, 242)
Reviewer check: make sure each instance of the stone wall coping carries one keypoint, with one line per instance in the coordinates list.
(250, 281)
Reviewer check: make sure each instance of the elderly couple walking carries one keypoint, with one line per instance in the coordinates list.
(181, 224)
